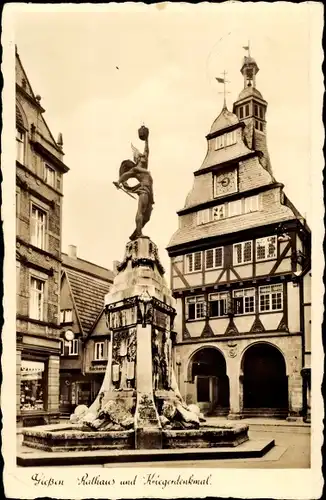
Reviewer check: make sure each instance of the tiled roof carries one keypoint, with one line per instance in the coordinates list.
(224, 119)
(88, 293)
(231, 225)
(215, 157)
(87, 267)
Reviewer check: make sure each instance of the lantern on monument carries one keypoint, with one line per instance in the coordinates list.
(143, 133)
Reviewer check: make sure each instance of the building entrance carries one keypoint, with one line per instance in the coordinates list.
(211, 381)
(265, 383)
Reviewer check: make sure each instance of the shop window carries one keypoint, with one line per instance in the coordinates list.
(38, 221)
(214, 258)
(49, 175)
(218, 304)
(193, 262)
(20, 146)
(271, 298)
(32, 385)
(242, 252)
(195, 307)
(244, 301)
(66, 316)
(266, 248)
(36, 299)
(99, 351)
(73, 347)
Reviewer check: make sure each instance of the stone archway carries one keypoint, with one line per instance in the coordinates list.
(265, 383)
(208, 373)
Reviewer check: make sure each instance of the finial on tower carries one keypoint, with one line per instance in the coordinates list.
(249, 68)
(224, 81)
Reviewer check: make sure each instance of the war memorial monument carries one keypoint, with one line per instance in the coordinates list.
(139, 413)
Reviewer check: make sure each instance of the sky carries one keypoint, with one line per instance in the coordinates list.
(101, 74)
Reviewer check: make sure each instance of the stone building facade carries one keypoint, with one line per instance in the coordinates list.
(84, 333)
(240, 271)
(39, 191)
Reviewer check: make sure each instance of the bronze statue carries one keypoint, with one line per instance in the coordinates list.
(138, 169)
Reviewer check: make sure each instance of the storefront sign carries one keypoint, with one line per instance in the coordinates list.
(99, 368)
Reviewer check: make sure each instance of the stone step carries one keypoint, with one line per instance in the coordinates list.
(28, 457)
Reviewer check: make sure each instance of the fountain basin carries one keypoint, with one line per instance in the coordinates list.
(71, 438)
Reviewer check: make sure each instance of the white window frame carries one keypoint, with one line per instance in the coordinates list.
(235, 253)
(63, 316)
(232, 205)
(190, 262)
(218, 297)
(251, 204)
(225, 140)
(264, 242)
(269, 292)
(20, 146)
(73, 347)
(241, 293)
(37, 239)
(219, 142)
(200, 312)
(214, 250)
(203, 216)
(36, 310)
(98, 347)
(47, 170)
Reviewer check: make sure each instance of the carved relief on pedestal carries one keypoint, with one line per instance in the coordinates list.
(162, 359)
(124, 358)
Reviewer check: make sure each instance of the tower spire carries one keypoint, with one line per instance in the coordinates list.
(224, 81)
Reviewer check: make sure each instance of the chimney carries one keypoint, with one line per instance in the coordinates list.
(72, 251)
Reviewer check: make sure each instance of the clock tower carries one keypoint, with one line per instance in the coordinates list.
(240, 272)
(251, 108)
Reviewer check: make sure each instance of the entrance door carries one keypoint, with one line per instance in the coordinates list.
(211, 380)
(265, 384)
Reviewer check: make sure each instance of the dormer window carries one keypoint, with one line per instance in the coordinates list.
(225, 140)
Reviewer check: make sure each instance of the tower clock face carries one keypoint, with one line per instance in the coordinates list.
(225, 183)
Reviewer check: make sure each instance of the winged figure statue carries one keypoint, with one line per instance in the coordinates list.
(138, 169)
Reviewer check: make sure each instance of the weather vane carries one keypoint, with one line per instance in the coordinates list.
(224, 81)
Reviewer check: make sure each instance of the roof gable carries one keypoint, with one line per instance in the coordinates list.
(88, 295)
(26, 90)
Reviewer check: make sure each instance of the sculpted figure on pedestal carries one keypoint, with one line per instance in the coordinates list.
(138, 169)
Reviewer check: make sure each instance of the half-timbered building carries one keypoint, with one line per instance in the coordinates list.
(240, 271)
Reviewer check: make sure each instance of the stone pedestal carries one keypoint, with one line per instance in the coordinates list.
(140, 315)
